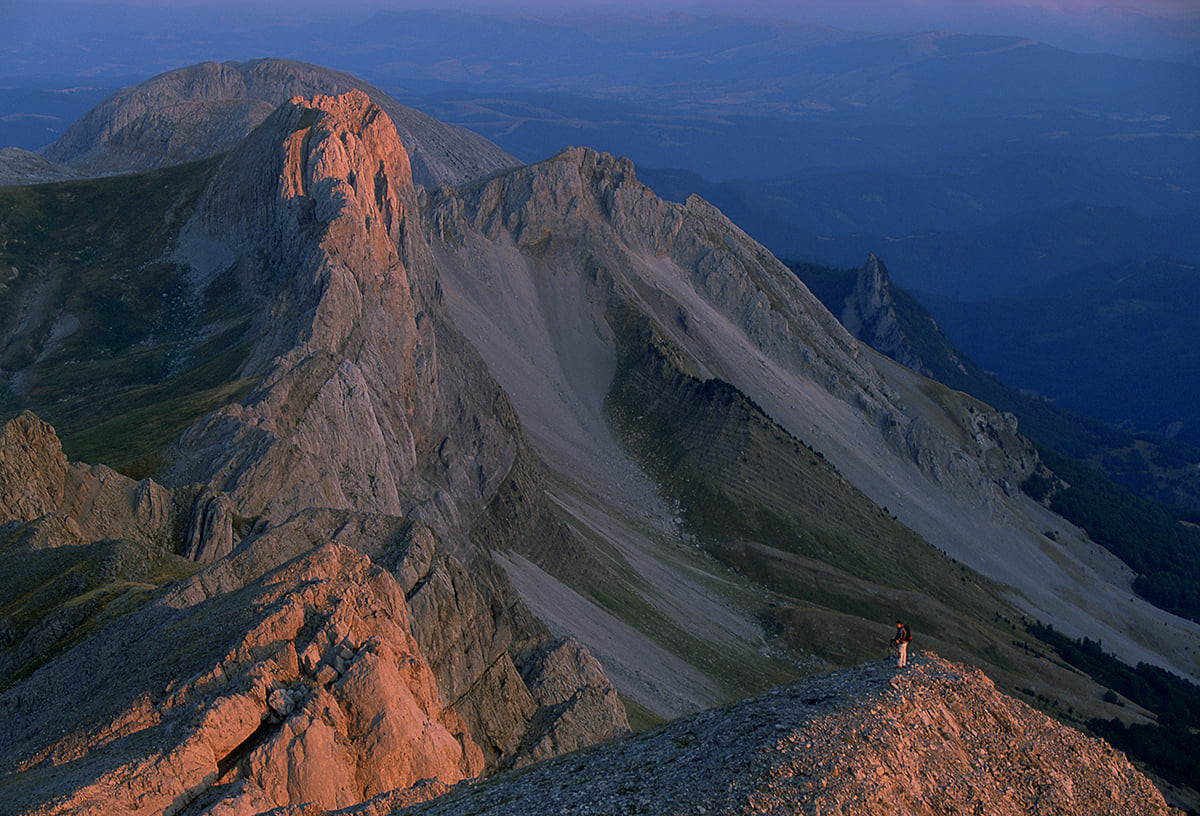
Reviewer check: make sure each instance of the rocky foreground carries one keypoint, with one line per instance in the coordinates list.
(935, 738)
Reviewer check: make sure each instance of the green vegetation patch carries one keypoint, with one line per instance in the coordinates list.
(52, 598)
(145, 420)
(739, 476)
(771, 508)
(1169, 747)
(102, 336)
(1151, 539)
(1164, 551)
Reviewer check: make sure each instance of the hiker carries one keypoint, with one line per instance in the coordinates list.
(903, 636)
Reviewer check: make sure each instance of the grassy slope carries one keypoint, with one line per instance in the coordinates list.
(839, 568)
(1081, 451)
(771, 507)
(52, 598)
(102, 336)
(520, 518)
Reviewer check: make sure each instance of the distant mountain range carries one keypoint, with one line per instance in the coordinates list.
(1116, 341)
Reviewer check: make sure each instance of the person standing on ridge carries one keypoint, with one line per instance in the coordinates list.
(901, 640)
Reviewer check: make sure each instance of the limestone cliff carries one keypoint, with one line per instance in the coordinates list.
(869, 313)
(369, 402)
(313, 212)
(735, 311)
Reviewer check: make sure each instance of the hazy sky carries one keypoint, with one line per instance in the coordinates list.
(1071, 22)
(29, 27)
(785, 8)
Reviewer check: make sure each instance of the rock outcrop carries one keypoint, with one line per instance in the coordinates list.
(19, 166)
(869, 313)
(734, 311)
(317, 208)
(290, 669)
(305, 685)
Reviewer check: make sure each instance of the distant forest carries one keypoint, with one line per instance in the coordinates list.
(1161, 546)
(1170, 747)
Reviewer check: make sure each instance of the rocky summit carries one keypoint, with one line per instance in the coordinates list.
(934, 738)
(422, 484)
(204, 110)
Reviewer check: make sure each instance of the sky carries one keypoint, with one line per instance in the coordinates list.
(49, 26)
(890, 9)
(1074, 24)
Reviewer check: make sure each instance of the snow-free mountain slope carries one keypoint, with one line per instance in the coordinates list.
(937, 738)
(533, 262)
(199, 111)
(330, 645)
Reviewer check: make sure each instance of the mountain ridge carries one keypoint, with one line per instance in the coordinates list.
(278, 509)
(855, 741)
(919, 423)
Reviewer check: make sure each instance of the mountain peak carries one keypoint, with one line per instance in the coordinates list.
(206, 109)
(310, 214)
(936, 737)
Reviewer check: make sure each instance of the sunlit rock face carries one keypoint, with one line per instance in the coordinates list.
(314, 204)
(305, 685)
